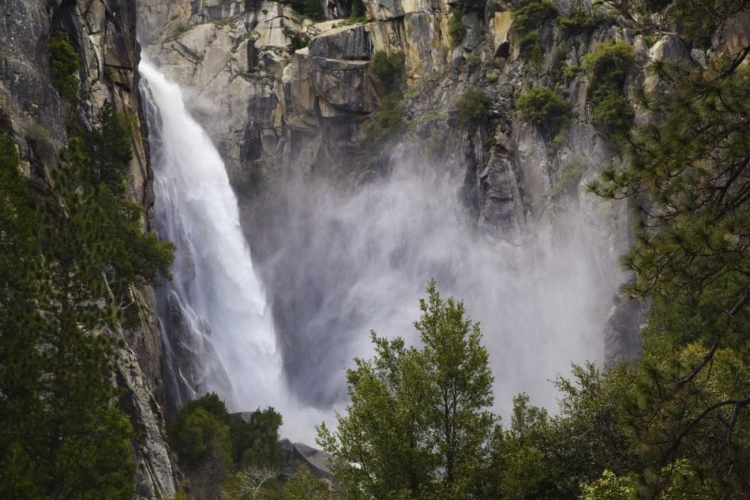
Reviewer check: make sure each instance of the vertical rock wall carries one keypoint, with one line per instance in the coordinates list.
(103, 33)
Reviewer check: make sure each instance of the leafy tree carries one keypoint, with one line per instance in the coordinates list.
(528, 20)
(256, 442)
(305, 486)
(389, 69)
(418, 423)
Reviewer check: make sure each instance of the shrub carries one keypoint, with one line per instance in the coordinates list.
(472, 108)
(545, 108)
(296, 41)
(527, 21)
(357, 10)
(456, 29)
(309, 8)
(582, 22)
(389, 70)
(492, 77)
(389, 120)
(65, 66)
(608, 68)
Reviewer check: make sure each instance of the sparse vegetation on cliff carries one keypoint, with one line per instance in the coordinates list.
(472, 108)
(543, 107)
(608, 66)
(527, 21)
(65, 66)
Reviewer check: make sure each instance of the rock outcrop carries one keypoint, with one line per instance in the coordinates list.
(103, 32)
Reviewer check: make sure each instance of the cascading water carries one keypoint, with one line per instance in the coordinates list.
(214, 310)
(339, 263)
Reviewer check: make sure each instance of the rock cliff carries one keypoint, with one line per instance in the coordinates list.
(103, 33)
(283, 96)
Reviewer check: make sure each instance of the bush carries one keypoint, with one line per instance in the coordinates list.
(472, 108)
(296, 41)
(309, 8)
(65, 66)
(581, 21)
(492, 77)
(527, 21)
(456, 29)
(389, 70)
(608, 68)
(545, 108)
(389, 120)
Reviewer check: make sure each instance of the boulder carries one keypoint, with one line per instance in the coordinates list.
(318, 461)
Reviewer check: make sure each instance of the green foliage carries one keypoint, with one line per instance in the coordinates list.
(255, 443)
(61, 432)
(608, 68)
(218, 451)
(527, 21)
(389, 120)
(543, 107)
(472, 108)
(610, 487)
(110, 149)
(305, 486)
(65, 66)
(699, 20)
(492, 77)
(309, 8)
(582, 22)
(687, 179)
(297, 40)
(357, 10)
(389, 70)
(418, 421)
(456, 28)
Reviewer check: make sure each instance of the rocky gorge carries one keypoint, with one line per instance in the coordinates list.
(293, 103)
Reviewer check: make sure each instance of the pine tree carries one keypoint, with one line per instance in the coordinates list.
(688, 180)
(62, 434)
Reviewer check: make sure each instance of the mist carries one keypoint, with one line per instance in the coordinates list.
(352, 260)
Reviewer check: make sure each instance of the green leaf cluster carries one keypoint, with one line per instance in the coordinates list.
(211, 445)
(608, 68)
(472, 108)
(65, 66)
(528, 20)
(543, 107)
(312, 9)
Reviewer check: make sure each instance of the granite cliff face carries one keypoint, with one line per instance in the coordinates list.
(103, 33)
(277, 114)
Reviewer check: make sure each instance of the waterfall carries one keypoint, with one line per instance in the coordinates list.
(216, 322)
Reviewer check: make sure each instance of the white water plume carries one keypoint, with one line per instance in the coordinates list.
(227, 322)
(348, 262)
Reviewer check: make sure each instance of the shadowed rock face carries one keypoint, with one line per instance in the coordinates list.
(103, 34)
